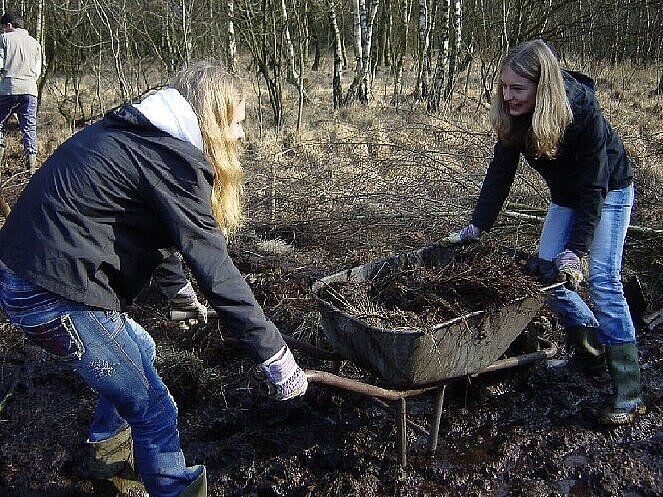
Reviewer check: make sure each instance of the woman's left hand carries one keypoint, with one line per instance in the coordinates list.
(285, 378)
(570, 268)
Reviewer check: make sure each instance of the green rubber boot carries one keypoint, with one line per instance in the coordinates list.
(110, 463)
(626, 403)
(587, 353)
(198, 487)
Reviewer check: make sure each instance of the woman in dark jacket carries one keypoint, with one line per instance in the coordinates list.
(87, 233)
(552, 118)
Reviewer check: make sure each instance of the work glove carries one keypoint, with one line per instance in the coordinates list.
(186, 300)
(285, 378)
(543, 270)
(469, 233)
(570, 268)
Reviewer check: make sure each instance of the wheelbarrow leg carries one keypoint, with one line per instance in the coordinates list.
(402, 430)
(435, 421)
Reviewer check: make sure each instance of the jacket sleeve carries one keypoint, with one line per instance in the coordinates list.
(496, 186)
(592, 161)
(181, 193)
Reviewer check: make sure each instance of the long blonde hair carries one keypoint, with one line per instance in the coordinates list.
(213, 93)
(552, 112)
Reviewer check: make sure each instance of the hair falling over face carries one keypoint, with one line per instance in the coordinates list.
(214, 95)
(551, 114)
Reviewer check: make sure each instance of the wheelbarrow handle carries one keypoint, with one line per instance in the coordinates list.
(185, 315)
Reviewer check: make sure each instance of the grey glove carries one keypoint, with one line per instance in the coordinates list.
(570, 268)
(285, 378)
(469, 233)
(186, 300)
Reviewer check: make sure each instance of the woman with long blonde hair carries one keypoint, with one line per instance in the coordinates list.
(551, 117)
(88, 231)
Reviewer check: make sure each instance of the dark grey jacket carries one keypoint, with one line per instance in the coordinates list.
(90, 224)
(590, 161)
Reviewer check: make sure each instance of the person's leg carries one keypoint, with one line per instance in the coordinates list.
(616, 328)
(27, 121)
(571, 309)
(108, 350)
(118, 366)
(107, 422)
(7, 107)
(605, 266)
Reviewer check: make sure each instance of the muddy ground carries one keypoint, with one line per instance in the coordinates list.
(523, 431)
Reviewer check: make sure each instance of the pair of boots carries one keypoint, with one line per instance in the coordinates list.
(32, 161)
(591, 357)
(112, 461)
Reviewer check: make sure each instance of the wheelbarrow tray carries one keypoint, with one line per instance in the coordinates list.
(407, 358)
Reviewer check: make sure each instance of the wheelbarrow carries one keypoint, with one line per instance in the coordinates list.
(411, 362)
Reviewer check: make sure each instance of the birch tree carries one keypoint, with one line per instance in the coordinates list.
(231, 45)
(363, 36)
(400, 48)
(433, 101)
(337, 88)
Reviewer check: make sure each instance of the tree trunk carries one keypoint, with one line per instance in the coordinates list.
(337, 88)
(426, 23)
(291, 73)
(400, 49)
(361, 85)
(231, 47)
(442, 57)
(455, 51)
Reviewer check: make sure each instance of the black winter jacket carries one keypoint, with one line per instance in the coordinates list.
(90, 224)
(590, 161)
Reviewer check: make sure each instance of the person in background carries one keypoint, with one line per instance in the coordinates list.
(551, 117)
(20, 60)
(86, 235)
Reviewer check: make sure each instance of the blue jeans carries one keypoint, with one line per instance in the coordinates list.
(114, 355)
(25, 108)
(610, 312)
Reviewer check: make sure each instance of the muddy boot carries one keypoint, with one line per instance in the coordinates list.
(111, 463)
(626, 403)
(32, 163)
(198, 487)
(587, 353)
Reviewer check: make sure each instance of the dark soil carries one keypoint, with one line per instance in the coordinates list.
(479, 277)
(523, 431)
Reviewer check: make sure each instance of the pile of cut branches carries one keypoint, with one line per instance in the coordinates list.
(480, 277)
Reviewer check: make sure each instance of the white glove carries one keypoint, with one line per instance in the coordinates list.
(469, 233)
(186, 300)
(285, 378)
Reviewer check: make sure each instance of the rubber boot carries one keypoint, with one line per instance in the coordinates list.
(587, 353)
(626, 403)
(198, 487)
(111, 463)
(32, 163)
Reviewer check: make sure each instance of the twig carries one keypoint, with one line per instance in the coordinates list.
(642, 230)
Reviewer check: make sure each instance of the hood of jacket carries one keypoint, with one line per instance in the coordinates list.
(170, 112)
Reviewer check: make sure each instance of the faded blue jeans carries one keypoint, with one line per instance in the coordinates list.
(25, 108)
(610, 311)
(114, 355)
